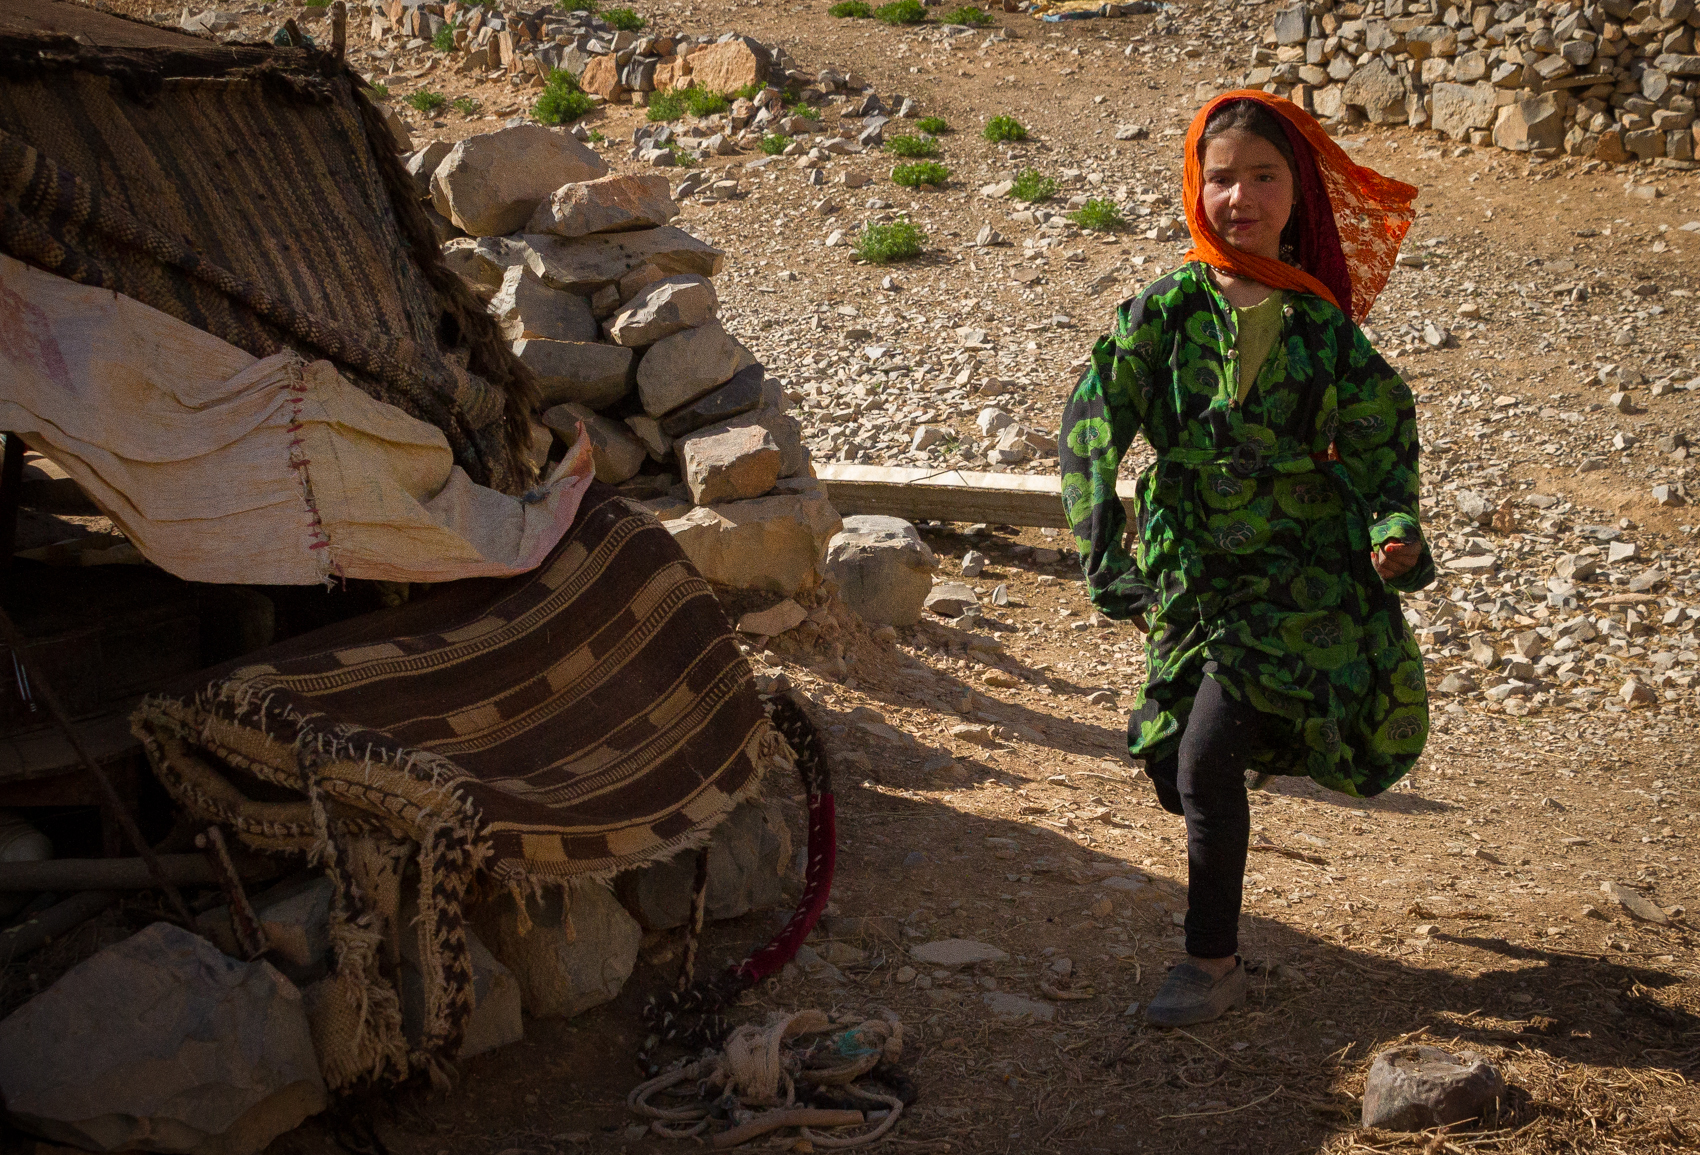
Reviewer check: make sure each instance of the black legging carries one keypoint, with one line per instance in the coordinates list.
(1205, 781)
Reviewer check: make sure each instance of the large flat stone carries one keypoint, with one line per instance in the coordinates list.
(614, 451)
(748, 856)
(164, 1043)
(609, 204)
(746, 390)
(768, 543)
(661, 309)
(884, 571)
(586, 372)
(576, 954)
(526, 307)
(677, 370)
(728, 463)
(586, 264)
(956, 952)
(491, 183)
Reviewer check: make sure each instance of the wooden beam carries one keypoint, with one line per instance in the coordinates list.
(64, 874)
(915, 494)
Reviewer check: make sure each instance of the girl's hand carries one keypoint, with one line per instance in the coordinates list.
(1396, 558)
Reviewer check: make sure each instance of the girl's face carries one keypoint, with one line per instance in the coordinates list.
(1248, 192)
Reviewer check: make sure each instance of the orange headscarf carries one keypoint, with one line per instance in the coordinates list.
(1351, 249)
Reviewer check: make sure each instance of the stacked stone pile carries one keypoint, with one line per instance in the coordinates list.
(1613, 80)
(614, 311)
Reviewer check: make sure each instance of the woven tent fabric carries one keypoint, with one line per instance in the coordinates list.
(1371, 212)
(592, 716)
(254, 193)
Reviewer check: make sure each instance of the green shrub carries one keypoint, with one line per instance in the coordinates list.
(666, 106)
(775, 143)
(317, 3)
(851, 9)
(1031, 186)
(913, 146)
(623, 20)
(589, 6)
(902, 12)
(1098, 214)
(444, 40)
(896, 241)
(1001, 129)
(933, 125)
(427, 101)
(749, 92)
(969, 15)
(680, 157)
(596, 137)
(380, 91)
(563, 101)
(702, 102)
(920, 173)
(466, 105)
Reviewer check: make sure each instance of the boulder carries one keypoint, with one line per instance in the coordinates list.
(295, 918)
(730, 65)
(601, 77)
(576, 954)
(748, 856)
(773, 543)
(609, 204)
(1415, 1088)
(424, 162)
(586, 264)
(615, 452)
(747, 390)
(1458, 108)
(1378, 91)
(1536, 123)
(787, 433)
(661, 309)
(648, 430)
(491, 184)
(526, 307)
(680, 368)
(162, 1042)
(483, 261)
(882, 568)
(586, 372)
(1292, 24)
(728, 463)
(496, 1020)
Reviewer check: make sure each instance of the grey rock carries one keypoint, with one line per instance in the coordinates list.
(162, 1042)
(956, 952)
(748, 856)
(1459, 108)
(586, 264)
(295, 919)
(616, 452)
(609, 204)
(773, 543)
(1015, 1007)
(496, 1020)
(423, 162)
(526, 307)
(1475, 506)
(678, 369)
(1414, 1088)
(746, 390)
(1536, 123)
(491, 184)
(951, 599)
(663, 308)
(586, 372)
(1377, 91)
(882, 568)
(577, 953)
(728, 463)
(648, 430)
(787, 433)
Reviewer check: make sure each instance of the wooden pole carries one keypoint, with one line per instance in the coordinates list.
(63, 874)
(55, 921)
(339, 29)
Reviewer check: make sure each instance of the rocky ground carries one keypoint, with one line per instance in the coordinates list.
(1543, 314)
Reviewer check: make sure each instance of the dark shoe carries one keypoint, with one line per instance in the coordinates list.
(1189, 995)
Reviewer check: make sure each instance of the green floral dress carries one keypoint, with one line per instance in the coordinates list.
(1250, 560)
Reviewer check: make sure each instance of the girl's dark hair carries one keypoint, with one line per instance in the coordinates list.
(1250, 116)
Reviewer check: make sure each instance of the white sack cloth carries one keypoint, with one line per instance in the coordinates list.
(222, 467)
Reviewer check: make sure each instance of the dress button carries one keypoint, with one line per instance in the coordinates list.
(1287, 310)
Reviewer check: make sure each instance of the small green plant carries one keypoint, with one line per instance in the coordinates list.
(902, 12)
(912, 146)
(380, 91)
(851, 10)
(596, 137)
(749, 92)
(1032, 186)
(775, 143)
(444, 40)
(587, 6)
(969, 15)
(563, 101)
(897, 241)
(1002, 129)
(702, 102)
(466, 105)
(318, 3)
(428, 102)
(933, 125)
(920, 173)
(666, 106)
(1099, 215)
(623, 20)
(680, 157)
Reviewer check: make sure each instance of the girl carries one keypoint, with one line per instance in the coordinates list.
(1279, 516)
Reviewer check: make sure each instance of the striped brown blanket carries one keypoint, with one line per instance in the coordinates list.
(591, 716)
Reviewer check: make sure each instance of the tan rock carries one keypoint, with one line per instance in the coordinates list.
(587, 264)
(1536, 123)
(568, 957)
(526, 307)
(491, 184)
(602, 78)
(616, 454)
(661, 309)
(728, 463)
(648, 431)
(773, 620)
(680, 368)
(587, 372)
(728, 67)
(610, 204)
(769, 543)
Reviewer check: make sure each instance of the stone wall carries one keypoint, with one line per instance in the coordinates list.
(1612, 80)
